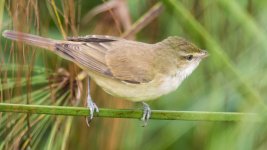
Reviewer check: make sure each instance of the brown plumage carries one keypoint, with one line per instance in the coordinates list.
(133, 70)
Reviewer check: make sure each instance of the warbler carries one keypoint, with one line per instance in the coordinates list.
(129, 69)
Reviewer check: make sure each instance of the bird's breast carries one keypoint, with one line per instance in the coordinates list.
(161, 85)
(169, 83)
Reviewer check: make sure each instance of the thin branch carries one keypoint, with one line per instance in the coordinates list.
(99, 9)
(144, 20)
(128, 113)
(58, 19)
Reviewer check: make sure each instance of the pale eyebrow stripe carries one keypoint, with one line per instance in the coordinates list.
(182, 53)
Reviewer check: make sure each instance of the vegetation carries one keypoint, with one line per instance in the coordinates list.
(228, 85)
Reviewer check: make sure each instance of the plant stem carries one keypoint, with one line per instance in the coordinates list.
(58, 19)
(144, 20)
(130, 113)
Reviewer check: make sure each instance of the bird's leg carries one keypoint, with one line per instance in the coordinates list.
(146, 114)
(91, 105)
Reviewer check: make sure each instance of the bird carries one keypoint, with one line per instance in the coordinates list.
(128, 69)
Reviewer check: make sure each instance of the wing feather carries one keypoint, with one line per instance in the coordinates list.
(111, 56)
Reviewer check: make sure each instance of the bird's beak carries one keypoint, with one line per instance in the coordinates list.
(203, 54)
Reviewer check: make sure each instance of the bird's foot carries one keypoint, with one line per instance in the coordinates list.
(92, 108)
(146, 113)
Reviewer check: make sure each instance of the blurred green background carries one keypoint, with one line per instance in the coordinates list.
(232, 79)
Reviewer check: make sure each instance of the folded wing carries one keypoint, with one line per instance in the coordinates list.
(113, 57)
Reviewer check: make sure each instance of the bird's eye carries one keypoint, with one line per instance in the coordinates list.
(189, 57)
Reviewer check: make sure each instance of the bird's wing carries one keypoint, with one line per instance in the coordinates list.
(113, 57)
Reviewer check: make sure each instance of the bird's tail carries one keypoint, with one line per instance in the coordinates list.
(30, 39)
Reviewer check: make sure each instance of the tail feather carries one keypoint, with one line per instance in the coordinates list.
(30, 39)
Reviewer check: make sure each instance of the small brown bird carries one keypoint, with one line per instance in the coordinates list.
(132, 70)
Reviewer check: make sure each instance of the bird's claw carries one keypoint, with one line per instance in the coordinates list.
(146, 113)
(92, 108)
